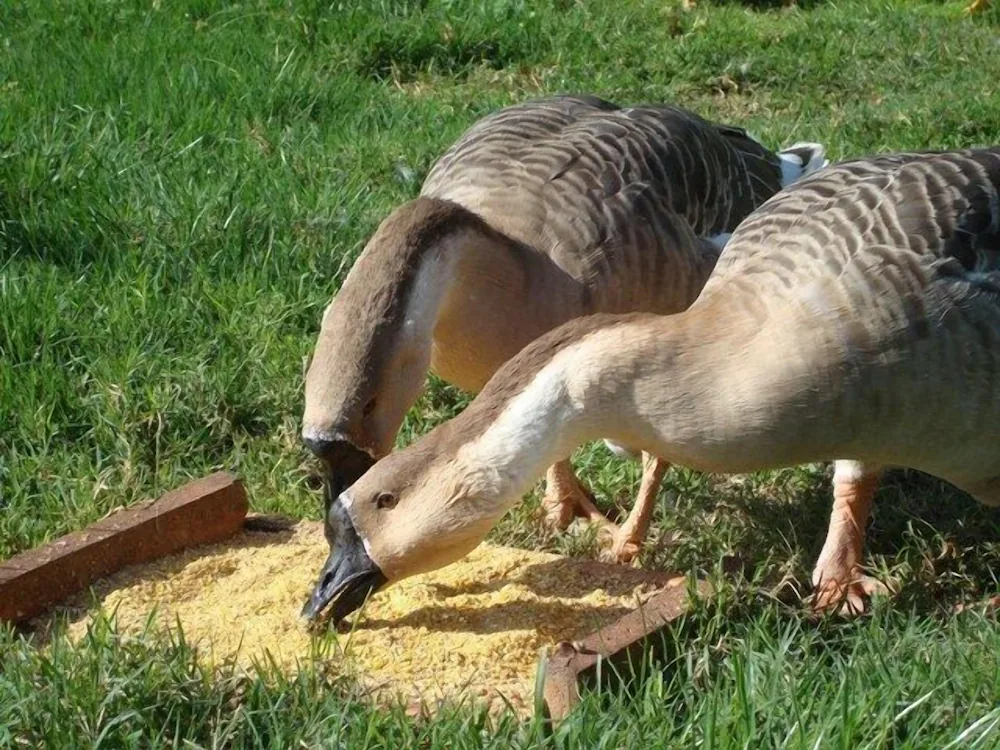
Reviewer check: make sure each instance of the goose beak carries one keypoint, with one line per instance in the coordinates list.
(347, 579)
(349, 575)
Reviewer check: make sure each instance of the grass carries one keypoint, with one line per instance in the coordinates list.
(183, 186)
(741, 675)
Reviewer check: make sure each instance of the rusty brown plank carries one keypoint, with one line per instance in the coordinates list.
(619, 645)
(206, 510)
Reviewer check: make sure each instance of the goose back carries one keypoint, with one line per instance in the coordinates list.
(893, 228)
(611, 194)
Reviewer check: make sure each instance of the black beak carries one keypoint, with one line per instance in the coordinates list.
(349, 575)
(344, 463)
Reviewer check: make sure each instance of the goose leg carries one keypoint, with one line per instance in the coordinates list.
(838, 577)
(565, 498)
(628, 538)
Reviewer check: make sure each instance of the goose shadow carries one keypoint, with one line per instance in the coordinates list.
(502, 617)
(567, 578)
(563, 577)
(949, 541)
(908, 506)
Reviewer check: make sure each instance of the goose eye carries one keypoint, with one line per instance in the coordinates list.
(386, 501)
(369, 408)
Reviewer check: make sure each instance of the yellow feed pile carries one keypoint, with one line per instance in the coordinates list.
(475, 627)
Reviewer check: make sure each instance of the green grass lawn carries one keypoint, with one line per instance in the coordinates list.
(184, 184)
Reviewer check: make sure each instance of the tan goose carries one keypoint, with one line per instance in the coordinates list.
(854, 315)
(540, 213)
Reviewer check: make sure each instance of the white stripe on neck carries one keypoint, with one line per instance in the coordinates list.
(534, 425)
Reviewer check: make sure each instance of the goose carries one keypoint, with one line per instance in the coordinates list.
(540, 213)
(854, 316)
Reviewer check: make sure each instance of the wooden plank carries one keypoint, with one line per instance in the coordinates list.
(206, 510)
(615, 649)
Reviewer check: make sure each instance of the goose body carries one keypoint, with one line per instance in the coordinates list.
(540, 213)
(854, 316)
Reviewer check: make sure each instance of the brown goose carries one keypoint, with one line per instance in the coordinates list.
(856, 315)
(540, 213)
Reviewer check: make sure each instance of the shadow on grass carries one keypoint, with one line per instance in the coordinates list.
(935, 545)
(931, 542)
(765, 5)
(68, 245)
(406, 59)
(720, 640)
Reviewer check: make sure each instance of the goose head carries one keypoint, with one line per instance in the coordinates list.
(416, 510)
(374, 346)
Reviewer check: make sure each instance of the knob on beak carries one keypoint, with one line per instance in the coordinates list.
(344, 462)
(321, 447)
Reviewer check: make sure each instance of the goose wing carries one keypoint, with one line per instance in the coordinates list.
(567, 174)
(915, 221)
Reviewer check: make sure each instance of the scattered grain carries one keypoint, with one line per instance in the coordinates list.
(475, 627)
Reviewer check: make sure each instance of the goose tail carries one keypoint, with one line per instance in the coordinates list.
(800, 160)
(620, 450)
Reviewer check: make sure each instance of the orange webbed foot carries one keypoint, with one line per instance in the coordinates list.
(846, 594)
